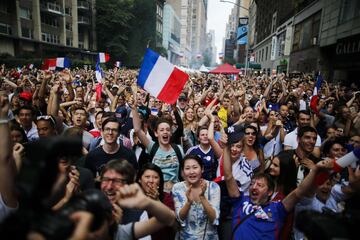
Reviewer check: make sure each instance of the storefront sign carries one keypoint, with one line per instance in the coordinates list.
(348, 47)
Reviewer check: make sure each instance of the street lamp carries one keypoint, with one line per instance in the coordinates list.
(235, 4)
(244, 19)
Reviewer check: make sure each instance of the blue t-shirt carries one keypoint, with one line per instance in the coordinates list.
(208, 159)
(265, 223)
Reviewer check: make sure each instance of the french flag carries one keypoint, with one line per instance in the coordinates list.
(315, 97)
(98, 72)
(161, 78)
(53, 63)
(63, 62)
(103, 57)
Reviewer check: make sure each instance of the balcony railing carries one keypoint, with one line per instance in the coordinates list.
(83, 20)
(52, 8)
(83, 5)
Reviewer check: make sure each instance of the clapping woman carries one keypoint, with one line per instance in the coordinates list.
(197, 202)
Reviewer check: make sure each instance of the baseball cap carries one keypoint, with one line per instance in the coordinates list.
(235, 133)
(27, 96)
(182, 96)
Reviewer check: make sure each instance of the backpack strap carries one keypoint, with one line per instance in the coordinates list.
(153, 150)
(177, 151)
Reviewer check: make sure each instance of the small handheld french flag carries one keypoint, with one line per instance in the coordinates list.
(98, 72)
(103, 57)
(315, 98)
(161, 78)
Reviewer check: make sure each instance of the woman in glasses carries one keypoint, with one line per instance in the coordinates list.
(252, 151)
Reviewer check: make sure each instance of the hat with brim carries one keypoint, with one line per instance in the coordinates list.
(235, 133)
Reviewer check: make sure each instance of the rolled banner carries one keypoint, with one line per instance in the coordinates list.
(339, 164)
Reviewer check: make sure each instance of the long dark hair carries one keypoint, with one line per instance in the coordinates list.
(153, 167)
(288, 173)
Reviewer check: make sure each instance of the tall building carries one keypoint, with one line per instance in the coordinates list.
(47, 27)
(230, 34)
(340, 41)
(193, 18)
(171, 34)
(210, 51)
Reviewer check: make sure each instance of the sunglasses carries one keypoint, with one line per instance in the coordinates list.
(250, 133)
(47, 118)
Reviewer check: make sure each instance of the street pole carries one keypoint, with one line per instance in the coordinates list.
(246, 59)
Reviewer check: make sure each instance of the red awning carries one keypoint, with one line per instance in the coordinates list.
(225, 69)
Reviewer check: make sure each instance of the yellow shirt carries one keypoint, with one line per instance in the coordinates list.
(222, 114)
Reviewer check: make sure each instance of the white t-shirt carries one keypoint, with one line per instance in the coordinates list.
(291, 139)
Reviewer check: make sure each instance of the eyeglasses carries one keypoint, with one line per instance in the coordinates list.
(250, 133)
(47, 118)
(108, 130)
(114, 180)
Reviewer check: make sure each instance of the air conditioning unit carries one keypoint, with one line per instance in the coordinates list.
(314, 41)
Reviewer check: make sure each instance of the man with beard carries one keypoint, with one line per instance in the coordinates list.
(254, 215)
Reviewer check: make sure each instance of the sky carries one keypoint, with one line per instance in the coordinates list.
(218, 15)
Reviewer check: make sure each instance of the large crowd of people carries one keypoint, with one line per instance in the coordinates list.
(231, 159)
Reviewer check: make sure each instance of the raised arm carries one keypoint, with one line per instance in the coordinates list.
(217, 149)
(231, 185)
(137, 126)
(306, 187)
(131, 196)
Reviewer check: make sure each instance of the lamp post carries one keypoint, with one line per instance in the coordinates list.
(247, 48)
(224, 1)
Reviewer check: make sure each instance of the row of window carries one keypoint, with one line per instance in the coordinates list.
(50, 38)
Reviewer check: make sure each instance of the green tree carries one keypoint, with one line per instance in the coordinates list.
(113, 25)
(142, 33)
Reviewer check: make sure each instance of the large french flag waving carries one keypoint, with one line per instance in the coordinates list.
(161, 78)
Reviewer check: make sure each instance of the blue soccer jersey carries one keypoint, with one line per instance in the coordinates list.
(265, 223)
(208, 159)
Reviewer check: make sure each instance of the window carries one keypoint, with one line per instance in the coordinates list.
(50, 38)
(68, 26)
(68, 11)
(262, 55)
(350, 9)
(266, 53)
(3, 7)
(273, 23)
(50, 21)
(25, 13)
(5, 28)
(26, 33)
(307, 32)
(69, 42)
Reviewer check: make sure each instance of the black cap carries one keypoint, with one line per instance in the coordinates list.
(235, 133)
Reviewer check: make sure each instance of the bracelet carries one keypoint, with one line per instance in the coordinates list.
(4, 121)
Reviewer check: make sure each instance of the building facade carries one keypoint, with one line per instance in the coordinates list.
(340, 40)
(171, 34)
(47, 27)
